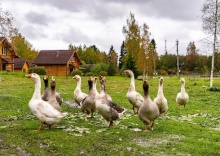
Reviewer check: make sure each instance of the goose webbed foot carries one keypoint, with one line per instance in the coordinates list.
(111, 124)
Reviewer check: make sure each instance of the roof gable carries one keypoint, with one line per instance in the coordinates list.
(4, 42)
(19, 63)
(53, 57)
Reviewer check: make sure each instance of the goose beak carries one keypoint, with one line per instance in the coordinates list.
(28, 75)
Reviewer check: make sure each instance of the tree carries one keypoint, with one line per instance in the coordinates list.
(113, 57)
(23, 47)
(191, 57)
(6, 25)
(154, 54)
(113, 61)
(130, 64)
(211, 23)
(132, 36)
(122, 55)
(142, 55)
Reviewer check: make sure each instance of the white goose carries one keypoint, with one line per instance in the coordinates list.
(182, 97)
(78, 95)
(148, 111)
(46, 113)
(160, 100)
(133, 97)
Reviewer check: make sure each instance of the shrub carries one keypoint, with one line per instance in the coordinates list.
(76, 72)
(163, 72)
(99, 68)
(38, 70)
(103, 73)
(89, 74)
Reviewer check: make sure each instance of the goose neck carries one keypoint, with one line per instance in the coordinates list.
(132, 85)
(37, 90)
(78, 86)
(183, 88)
(160, 90)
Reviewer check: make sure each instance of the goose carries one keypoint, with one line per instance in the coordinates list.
(103, 93)
(46, 93)
(148, 111)
(109, 110)
(102, 89)
(160, 100)
(54, 98)
(57, 95)
(78, 95)
(132, 95)
(88, 103)
(46, 113)
(182, 97)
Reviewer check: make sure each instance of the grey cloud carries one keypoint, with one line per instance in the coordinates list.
(38, 18)
(32, 32)
(72, 35)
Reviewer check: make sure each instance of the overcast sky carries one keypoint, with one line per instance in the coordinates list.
(54, 24)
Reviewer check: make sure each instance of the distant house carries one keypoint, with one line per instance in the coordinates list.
(58, 62)
(7, 55)
(21, 65)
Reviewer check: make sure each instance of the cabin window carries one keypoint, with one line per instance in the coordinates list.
(73, 59)
(4, 51)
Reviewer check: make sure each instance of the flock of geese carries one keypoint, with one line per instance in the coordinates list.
(47, 106)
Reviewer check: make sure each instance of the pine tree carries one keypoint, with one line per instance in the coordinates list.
(122, 55)
(131, 64)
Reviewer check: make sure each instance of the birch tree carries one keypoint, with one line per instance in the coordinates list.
(211, 25)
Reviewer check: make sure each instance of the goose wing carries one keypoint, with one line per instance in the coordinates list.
(47, 110)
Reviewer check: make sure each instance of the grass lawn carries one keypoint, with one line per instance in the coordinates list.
(194, 130)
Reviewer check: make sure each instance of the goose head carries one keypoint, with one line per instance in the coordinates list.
(53, 83)
(145, 87)
(182, 80)
(45, 78)
(102, 79)
(161, 80)
(77, 77)
(128, 72)
(33, 76)
(90, 82)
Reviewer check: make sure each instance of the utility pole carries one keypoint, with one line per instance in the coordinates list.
(165, 46)
(177, 62)
(214, 44)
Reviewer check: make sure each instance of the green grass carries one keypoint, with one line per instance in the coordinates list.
(193, 130)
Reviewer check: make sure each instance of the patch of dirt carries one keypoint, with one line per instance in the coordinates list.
(148, 142)
(7, 148)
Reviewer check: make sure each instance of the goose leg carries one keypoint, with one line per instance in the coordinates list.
(85, 117)
(111, 124)
(146, 123)
(152, 126)
(41, 125)
(133, 110)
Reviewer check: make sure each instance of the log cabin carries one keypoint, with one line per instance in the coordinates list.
(7, 55)
(58, 62)
(21, 65)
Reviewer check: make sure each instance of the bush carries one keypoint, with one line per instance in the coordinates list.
(103, 73)
(214, 89)
(163, 72)
(89, 74)
(98, 68)
(76, 72)
(38, 70)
